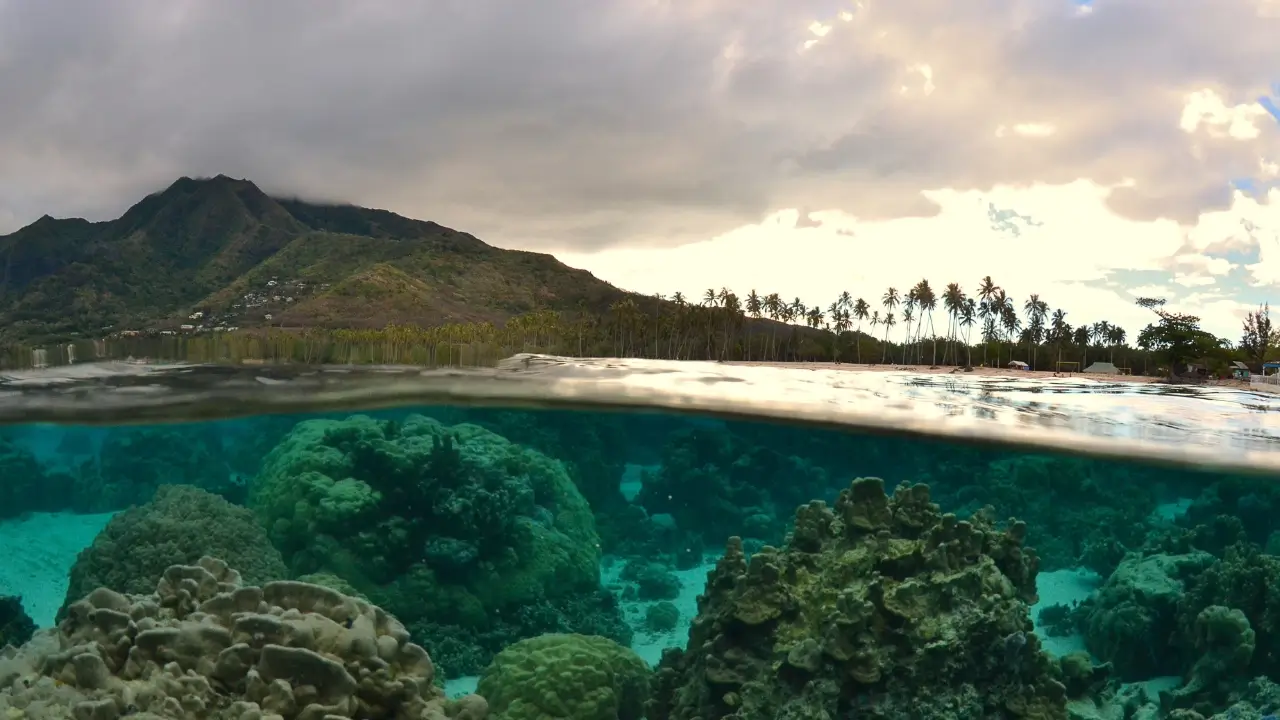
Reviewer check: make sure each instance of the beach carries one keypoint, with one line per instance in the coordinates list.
(992, 372)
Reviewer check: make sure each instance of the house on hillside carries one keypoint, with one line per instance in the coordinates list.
(1018, 365)
(1103, 368)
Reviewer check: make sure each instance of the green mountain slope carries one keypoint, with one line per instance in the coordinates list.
(220, 252)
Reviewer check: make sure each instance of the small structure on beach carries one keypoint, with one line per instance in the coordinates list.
(1239, 370)
(1018, 365)
(1103, 368)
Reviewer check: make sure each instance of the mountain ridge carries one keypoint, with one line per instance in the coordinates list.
(219, 252)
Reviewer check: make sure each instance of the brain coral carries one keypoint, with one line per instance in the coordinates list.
(882, 607)
(555, 677)
(202, 645)
(441, 523)
(179, 525)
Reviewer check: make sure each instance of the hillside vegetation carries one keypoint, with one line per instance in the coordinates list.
(221, 253)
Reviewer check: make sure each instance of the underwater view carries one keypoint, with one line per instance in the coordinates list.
(379, 556)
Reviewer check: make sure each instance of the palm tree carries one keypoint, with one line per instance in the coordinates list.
(773, 305)
(907, 310)
(840, 322)
(845, 301)
(860, 308)
(1009, 320)
(795, 311)
(987, 293)
(1036, 310)
(1059, 331)
(733, 317)
(952, 301)
(990, 334)
(1082, 336)
(1115, 336)
(755, 305)
(888, 323)
(875, 319)
(928, 303)
(968, 314)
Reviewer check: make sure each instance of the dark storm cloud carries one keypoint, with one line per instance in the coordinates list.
(583, 123)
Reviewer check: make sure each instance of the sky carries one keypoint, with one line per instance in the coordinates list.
(1089, 152)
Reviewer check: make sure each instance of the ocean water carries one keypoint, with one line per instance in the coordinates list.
(631, 539)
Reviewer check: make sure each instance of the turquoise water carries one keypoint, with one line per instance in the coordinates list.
(576, 539)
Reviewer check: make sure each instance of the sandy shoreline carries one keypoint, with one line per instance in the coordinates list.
(983, 372)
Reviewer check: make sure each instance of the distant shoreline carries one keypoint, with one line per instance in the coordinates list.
(987, 372)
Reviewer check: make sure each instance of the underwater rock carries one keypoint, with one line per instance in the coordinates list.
(26, 486)
(653, 581)
(16, 627)
(715, 483)
(205, 646)
(1131, 621)
(566, 676)
(133, 462)
(881, 605)
(1248, 582)
(179, 525)
(661, 617)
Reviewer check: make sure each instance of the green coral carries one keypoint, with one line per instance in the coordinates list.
(566, 677)
(1131, 620)
(661, 617)
(180, 525)
(881, 607)
(445, 526)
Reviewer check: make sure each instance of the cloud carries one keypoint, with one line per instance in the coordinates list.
(587, 124)
(1053, 144)
(1064, 243)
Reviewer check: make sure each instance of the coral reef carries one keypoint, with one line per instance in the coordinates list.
(1131, 621)
(16, 627)
(133, 462)
(179, 525)
(26, 486)
(715, 484)
(652, 580)
(203, 645)
(445, 526)
(661, 617)
(555, 677)
(881, 606)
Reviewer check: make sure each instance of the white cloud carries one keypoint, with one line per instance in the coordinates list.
(1208, 110)
(1071, 237)
(645, 140)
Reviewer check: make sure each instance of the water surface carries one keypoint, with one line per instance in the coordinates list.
(864, 544)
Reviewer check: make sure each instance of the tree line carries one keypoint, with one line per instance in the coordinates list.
(915, 327)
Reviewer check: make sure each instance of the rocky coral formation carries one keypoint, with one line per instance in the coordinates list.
(16, 627)
(881, 606)
(715, 483)
(205, 646)
(554, 677)
(27, 487)
(179, 525)
(451, 528)
(133, 462)
(1132, 619)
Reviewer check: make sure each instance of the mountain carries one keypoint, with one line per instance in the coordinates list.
(219, 251)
